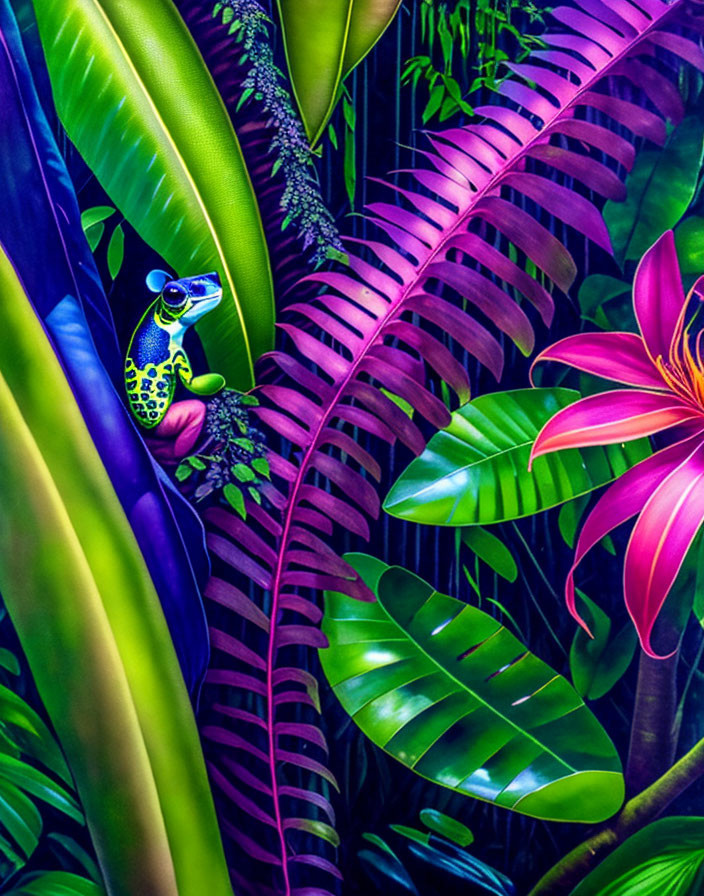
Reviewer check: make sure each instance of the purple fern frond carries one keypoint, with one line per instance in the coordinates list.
(376, 329)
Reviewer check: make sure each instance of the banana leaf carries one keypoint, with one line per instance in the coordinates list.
(453, 695)
(475, 471)
(41, 231)
(89, 621)
(324, 41)
(135, 96)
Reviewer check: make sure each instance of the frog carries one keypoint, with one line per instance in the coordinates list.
(156, 360)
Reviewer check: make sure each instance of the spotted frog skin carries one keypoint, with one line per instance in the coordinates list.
(156, 360)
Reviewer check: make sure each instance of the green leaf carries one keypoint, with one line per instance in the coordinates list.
(9, 661)
(93, 631)
(78, 854)
(410, 833)
(689, 239)
(405, 406)
(595, 291)
(450, 693)
(137, 100)
(235, 499)
(476, 470)
(243, 474)
(94, 235)
(569, 518)
(116, 251)
(437, 95)
(660, 188)
(29, 733)
(196, 462)
(350, 165)
(598, 662)
(183, 471)
(92, 216)
(39, 785)
(318, 829)
(447, 827)
(56, 883)
(19, 817)
(324, 40)
(664, 859)
(261, 465)
(492, 551)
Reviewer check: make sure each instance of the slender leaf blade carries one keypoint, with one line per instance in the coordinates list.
(136, 98)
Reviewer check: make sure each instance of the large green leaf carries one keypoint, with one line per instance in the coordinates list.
(660, 188)
(90, 623)
(136, 98)
(450, 693)
(476, 470)
(664, 859)
(324, 41)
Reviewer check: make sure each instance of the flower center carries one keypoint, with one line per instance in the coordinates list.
(684, 370)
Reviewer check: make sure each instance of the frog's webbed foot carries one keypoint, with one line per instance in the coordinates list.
(206, 384)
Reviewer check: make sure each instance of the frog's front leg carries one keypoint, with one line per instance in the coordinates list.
(205, 384)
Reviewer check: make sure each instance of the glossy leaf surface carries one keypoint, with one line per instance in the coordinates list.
(667, 857)
(89, 621)
(449, 692)
(136, 98)
(325, 40)
(476, 470)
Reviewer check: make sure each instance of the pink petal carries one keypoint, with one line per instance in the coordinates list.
(622, 500)
(617, 416)
(658, 297)
(615, 356)
(176, 435)
(660, 540)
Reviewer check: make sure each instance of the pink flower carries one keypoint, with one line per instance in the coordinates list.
(666, 491)
(176, 436)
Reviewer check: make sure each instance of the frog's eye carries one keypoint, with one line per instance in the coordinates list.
(174, 295)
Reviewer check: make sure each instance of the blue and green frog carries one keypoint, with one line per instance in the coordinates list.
(156, 361)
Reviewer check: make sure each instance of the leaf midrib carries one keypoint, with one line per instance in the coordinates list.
(185, 170)
(473, 693)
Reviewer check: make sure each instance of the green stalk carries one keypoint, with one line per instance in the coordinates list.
(80, 595)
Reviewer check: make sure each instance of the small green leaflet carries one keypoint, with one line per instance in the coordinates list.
(116, 251)
(491, 550)
(447, 827)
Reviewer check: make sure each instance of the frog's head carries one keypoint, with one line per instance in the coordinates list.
(187, 299)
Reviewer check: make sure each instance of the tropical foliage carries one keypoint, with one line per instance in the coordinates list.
(204, 685)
